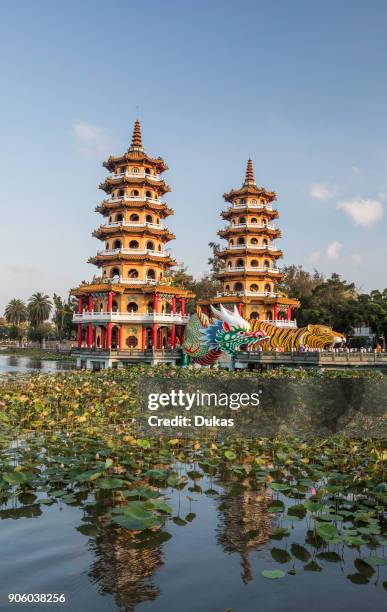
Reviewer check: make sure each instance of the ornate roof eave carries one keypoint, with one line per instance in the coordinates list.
(101, 232)
(276, 276)
(249, 251)
(135, 156)
(250, 190)
(233, 299)
(112, 183)
(230, 212)
(162, 208)
(168, 289)
(275, 233)
(95, 287)
(99, 260)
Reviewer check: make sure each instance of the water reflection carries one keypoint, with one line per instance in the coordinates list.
(15, 363)
(125, 564)
(244, 522)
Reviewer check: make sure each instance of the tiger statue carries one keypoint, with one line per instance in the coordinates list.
(309, 337)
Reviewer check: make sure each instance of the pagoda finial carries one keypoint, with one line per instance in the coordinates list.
(136, 138)
(249, 180)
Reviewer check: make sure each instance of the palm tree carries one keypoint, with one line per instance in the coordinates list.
(39, 308)
(16, 312)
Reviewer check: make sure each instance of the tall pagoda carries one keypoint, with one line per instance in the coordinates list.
(249, 270)
(132, 306)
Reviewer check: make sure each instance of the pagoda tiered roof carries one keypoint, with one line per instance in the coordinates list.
(250, 188)
(100, 259)
(105, 285)
(112, 182)
(251, 228)
(120, 229)
(243, 209)
(248, 250)
(107, 206)
(136, 153)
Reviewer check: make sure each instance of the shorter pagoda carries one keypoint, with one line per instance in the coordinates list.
(249, 269)
(131, 311)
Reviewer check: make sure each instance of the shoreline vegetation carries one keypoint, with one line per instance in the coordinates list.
(37, 353)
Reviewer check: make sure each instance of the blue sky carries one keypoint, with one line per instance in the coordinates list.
(299, 86)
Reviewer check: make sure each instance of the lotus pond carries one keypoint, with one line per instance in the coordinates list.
(121, 522)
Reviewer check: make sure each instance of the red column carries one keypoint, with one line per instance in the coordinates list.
(89, 336)
(289, 313)
(110, 301)
(182, 302)
(109, 336)
(155, 302)
(275, 312)
(90, 303)
(79, 338)
(173, 337)
(240, 306)
(174, 305)
(154, 340)
(120, 337)
(80, 305)
(102, 337)
(142, 338)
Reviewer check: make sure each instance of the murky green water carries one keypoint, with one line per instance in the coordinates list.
(16, 363)
(208, 556)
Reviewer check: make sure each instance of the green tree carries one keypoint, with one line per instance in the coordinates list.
(63, 316)
(39, 308)
(16, 312)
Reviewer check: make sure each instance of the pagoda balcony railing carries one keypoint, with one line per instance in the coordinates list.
(133, 252)
(250, 226)
(135, 224)
(137, 281)
(250, 205)
(126, 198)
(258, 247)
(246, 293)
(134, 175)
(252, 269)
(99, 317)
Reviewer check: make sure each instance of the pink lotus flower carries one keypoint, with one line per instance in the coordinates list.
(312, 491)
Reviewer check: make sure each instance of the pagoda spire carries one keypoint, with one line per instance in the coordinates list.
(249, 180)
(136, 137)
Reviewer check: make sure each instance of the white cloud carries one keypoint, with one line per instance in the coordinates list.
(362, 211)
(93, 140)
(322, 191)
(356, 258)
(333, 249)
(315, 257)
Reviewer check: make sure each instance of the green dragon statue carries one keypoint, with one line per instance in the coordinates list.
(206, 339)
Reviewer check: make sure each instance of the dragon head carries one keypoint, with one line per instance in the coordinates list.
(231, 331)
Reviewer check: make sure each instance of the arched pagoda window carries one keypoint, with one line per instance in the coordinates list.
(117, 244)
(133, 244)
(238, 287)
(134, 217)
(149, 219)
(254, 263)
(151, 274)
(254, 287)
(254, 315)
(150, 245)
(132, 307)
(133, 273)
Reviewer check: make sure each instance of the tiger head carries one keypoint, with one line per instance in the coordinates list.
(321, 336)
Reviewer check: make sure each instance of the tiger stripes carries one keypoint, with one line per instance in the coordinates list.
(312, 336)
